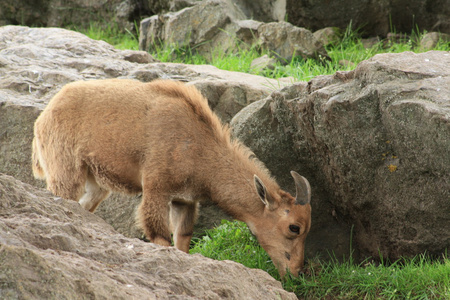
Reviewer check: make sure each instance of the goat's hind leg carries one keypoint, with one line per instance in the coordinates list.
(94, 194)
(64, 179)
(183, 216)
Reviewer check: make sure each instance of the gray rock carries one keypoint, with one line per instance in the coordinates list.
(288, 41)
(54, 249)
(141, 57)
(374, 143)
(263, 62)
(370, 42)
(328, 35)
(431, 39)
(176, 5)
(247, 31)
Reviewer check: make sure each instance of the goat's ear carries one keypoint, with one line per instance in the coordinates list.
(262, 192)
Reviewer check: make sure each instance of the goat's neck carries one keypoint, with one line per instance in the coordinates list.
(232, 187)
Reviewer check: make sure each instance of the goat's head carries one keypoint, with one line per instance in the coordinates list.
(284, 225)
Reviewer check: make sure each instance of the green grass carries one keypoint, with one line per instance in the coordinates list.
(111, 34)
(416, 278)
(343, 56)
(233, 241)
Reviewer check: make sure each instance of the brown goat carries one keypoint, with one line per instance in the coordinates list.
(162, 139)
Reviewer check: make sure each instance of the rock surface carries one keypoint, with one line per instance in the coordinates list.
(374, 143)
(51, 248)
(36, 62)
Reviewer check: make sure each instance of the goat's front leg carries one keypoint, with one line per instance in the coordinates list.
(183, 215)
(153, 217)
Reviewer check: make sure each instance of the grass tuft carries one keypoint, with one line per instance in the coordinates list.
(111, 34)
(416, 278)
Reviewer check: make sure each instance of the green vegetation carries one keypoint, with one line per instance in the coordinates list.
(111, 34)
(416, 278)
(343, 56)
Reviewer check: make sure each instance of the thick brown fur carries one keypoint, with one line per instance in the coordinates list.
(162, 139)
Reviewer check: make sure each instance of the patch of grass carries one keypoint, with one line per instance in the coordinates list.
(111, 34)
(416, 278)
(233, 241)
(343, 57)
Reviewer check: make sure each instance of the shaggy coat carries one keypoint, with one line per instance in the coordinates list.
(161, 139)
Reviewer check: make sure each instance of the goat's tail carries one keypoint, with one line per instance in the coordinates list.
(38, 171)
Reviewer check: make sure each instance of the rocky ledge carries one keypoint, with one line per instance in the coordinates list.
(51, 248)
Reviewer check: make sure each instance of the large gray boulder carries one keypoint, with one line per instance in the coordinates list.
(374, 143)
(35, 63)
(53, 249)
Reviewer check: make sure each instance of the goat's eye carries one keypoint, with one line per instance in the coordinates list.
(294, 229)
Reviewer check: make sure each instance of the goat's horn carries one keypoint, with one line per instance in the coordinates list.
(303, 189)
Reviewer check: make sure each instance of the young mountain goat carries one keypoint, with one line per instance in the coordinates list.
(162, 139)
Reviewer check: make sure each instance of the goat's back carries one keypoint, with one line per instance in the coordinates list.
(117, 127)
